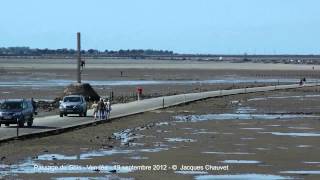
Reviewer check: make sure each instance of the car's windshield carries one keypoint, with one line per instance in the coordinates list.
(71, 99)
(11, 105)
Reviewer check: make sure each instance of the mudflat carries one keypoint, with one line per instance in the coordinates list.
(260, 135)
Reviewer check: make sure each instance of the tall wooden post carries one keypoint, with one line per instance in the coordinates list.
(79, 58)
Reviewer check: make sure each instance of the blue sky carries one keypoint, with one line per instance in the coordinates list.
(184, 26)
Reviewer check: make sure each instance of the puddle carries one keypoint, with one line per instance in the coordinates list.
(229, 153)
(51, 157)
(191, 172)
(284, 97)
(301, 128)
(242, 177)
(263, 149)
(300, 172)
(240, 144)
(252, 128)
(162, 131)
(138, 158)
(247, 138)
(162, 124)
(101, 153)
(240, 162)
(245, 110)
(127, 136)
(208, 117)
(227, 133)
(160, 144)
(273, 125)
(187, 128)
(293, 134)
(310, 162)
(154, 150)
(304, 146)
(282, 148)
(179, 140)
(205, 132)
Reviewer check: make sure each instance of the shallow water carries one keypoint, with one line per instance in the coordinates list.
(127, 136)
(252, 128)
(310, 134)
(242, 177)
(51, 157)
(228, 116)
(304, 146)
(102, 153)
(66, 82)
(311, 162)
(240, 162)
(229, 153)
(179, 140)
(138, 158)
(245, 110)
(300, 172)
(284, 97)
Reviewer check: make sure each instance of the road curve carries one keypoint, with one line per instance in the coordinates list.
(54, 124)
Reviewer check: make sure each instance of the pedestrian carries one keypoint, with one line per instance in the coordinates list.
(101, 109)
(108, 108)
(34, 105)
(95, 109)
(83, 64)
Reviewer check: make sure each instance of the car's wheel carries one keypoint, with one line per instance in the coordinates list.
(29, 123)
(65, 114)
(80, 114)
(61, 114)
(85, 114)
(7, 125)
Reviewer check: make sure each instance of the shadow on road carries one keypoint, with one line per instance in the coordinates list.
(33, 127)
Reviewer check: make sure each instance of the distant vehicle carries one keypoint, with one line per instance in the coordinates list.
(16, 111)
(73, 104)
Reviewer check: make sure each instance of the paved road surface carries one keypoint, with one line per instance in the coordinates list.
(55, 123)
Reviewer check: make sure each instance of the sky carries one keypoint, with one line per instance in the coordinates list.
(183, 26)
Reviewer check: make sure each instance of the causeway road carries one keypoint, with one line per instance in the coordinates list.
(55, 124)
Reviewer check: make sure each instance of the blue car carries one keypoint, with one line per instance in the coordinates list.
(16, 111)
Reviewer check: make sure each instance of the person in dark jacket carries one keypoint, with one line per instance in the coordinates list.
(101, 109)
(34, 105)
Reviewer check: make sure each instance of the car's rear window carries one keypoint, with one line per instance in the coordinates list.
(72, 99)
(11, 105)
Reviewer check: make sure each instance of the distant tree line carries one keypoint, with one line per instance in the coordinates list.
(26, 51)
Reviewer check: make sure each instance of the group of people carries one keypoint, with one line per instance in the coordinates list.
(101, 109)
(302, 81)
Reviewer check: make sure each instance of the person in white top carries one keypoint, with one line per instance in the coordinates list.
(108, 109)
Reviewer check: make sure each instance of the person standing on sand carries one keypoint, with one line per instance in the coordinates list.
(95, 109)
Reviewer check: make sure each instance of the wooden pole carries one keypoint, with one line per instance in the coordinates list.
(79, 58)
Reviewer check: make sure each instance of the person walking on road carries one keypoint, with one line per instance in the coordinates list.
(95, 109)
(101, 109)
(108, 109)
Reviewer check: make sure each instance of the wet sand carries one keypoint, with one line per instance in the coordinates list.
(271, 133)
(23, 78)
